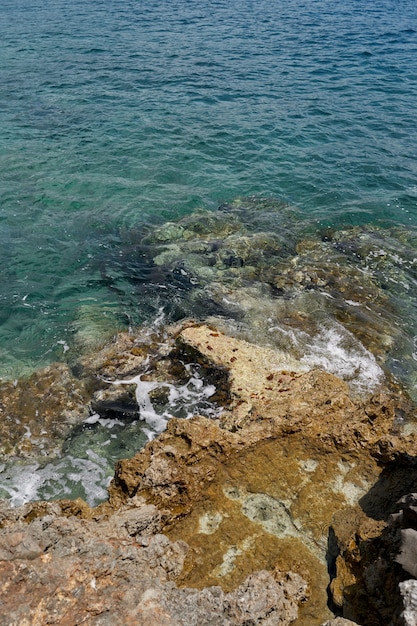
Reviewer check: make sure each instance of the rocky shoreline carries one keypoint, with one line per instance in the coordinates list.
(289, 504)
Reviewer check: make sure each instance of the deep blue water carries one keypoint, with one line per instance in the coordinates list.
(114, 114)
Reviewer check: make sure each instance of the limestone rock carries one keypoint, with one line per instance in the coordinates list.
(255, 486)
(374, 557)
(117, 569)
(260, 599)
(229, 518)
(121, 358)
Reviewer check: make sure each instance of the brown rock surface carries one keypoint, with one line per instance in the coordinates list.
(260, 488)
(245, 503)
(118, 570)
(36, 414)
(375, 546)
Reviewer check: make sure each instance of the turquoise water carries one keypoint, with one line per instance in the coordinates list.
(118, 116)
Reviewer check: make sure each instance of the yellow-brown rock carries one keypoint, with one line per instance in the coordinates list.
(232, 519)
(260, 487)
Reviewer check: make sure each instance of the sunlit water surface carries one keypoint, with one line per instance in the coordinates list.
(115, 117)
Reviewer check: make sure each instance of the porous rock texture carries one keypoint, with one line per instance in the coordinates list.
(59, 569)
(226, 521)
(260, 486)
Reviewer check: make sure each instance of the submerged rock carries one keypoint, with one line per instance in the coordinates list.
(259, 262)
(38, 413)
(93, 325)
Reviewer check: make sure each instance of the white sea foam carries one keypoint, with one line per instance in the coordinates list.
(21, 483)
(336, 350)
(87, 466)
(66, 477)
(182, 399)
(92, 419)
(106, 422)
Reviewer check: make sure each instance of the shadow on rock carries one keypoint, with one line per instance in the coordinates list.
(372, 550)
(398, 478)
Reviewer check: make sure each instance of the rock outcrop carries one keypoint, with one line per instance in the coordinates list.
(59, 569)
(376, 551)
(235, 519)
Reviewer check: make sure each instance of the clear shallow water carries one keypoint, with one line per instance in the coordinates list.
(115, 116)
(86, 464)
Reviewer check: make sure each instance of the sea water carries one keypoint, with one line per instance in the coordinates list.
(118, 116)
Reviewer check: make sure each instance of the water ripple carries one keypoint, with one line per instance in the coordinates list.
(116, 114)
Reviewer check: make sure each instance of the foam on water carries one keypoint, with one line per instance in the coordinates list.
(68, 477)
(335, 350)
(87, 463)
(183, 400)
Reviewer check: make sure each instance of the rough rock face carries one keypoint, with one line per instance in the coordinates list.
(262, 485)
(64, 570)
(376, 551)
(227, 520)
